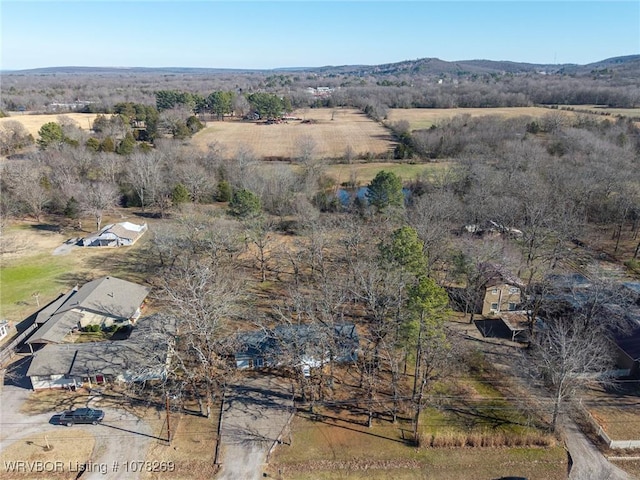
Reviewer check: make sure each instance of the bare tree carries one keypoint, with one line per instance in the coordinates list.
(30, 186)
(569, 357)
(204, 300)
(144, 172)
(13, 137)
(98, 197)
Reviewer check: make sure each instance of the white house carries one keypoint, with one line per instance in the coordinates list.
(115, 235)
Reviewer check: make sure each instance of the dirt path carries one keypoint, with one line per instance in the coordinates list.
(255, 413)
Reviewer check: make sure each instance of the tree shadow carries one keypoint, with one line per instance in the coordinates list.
(328, 420)
(47, 227)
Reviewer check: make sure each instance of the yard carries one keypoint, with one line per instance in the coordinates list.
(342, 450)
(491, 436)
(32, 275)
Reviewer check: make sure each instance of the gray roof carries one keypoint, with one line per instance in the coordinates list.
(108, 296)
(56, 328)
(143, 352)
(43, 315)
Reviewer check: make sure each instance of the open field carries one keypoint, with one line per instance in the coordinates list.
(33, 122)
(349, 128)
(602, 110)
(421, 118)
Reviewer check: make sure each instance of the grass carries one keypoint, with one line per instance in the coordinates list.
(191, 451)
(20, 280)
(344, 450)
(422, 118)
(26, 271)
(32, 123)
(71, 448)
(616, 411)
(365, 172)
(331, 138)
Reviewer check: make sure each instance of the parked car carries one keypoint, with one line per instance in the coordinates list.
(81, 415)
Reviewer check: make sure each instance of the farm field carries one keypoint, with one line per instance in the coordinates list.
(602, 110)
(33, 122)
(420, 118)
(349, 128)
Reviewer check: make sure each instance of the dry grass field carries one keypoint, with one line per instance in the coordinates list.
(600, 110)
(33, 122)
(331, 130)
(420, 118)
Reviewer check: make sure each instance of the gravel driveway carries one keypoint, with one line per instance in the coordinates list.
(255, 412)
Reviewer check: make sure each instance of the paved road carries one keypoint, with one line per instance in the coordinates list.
(121, 438)
(255, 413)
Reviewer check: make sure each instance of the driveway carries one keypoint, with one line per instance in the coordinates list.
(588, 461)
(122, 437)
(255, 412)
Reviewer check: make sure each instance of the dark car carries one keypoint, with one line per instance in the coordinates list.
(81, 415)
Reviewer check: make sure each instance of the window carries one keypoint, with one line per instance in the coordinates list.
(512, 306)
(494, 307)
(514, 290)
(259, 362)
(494, 291)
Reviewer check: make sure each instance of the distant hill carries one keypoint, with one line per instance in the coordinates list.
(624, 66)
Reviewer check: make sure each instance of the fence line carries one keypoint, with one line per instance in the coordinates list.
(614, 444)
(9, 351)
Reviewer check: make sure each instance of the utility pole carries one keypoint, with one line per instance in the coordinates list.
(166, 406)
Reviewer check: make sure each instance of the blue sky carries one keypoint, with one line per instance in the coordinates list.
(269, 34)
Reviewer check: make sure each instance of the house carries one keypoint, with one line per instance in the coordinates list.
(300, 346)
(502, 290)
(105, 301)
(628, 346)
(143, 357)
(115, 235)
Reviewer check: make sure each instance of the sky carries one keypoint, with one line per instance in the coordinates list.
(268, 34)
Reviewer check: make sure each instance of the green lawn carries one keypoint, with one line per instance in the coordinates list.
(19, 280)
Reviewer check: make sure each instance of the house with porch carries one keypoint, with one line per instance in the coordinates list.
(142, 357)
(106, 301)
